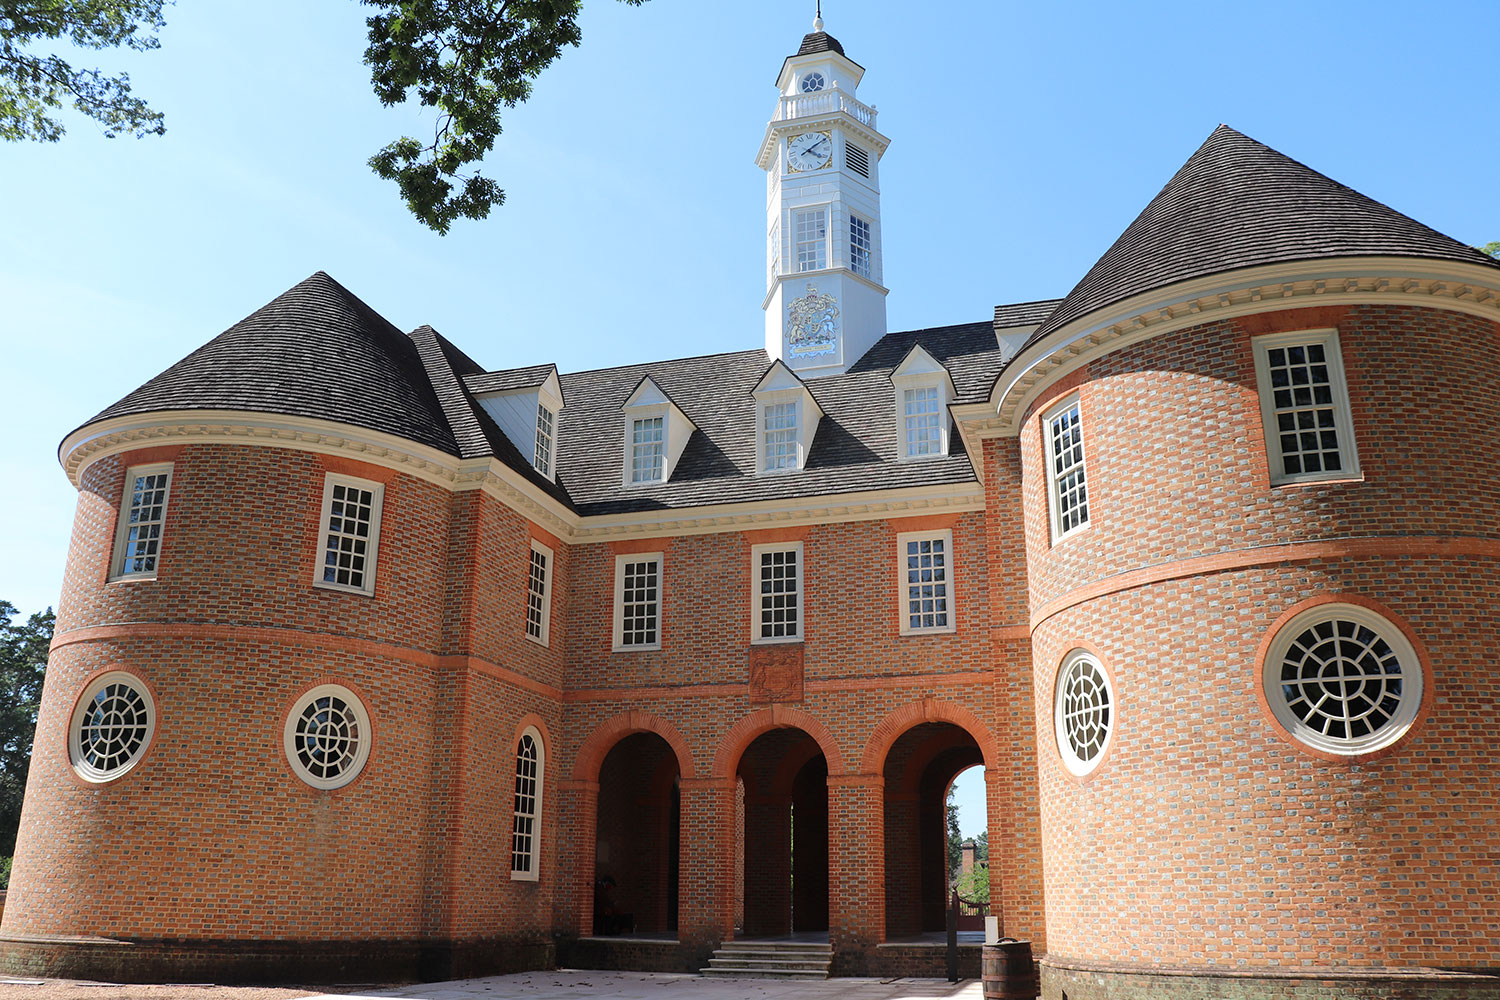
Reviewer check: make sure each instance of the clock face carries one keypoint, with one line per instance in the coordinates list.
(809, 151)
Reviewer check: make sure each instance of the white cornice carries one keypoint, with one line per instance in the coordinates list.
(1436, 284)
(99, 440)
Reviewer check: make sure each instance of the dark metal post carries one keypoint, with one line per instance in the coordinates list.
(953, 937)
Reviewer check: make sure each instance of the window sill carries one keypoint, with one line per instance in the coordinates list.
(133, 578)
(342, 588)
(1331, 481)
(516, 876)
(775, 640)
(540, 642)
(639, 648)
(1071, 534)
(919, 632)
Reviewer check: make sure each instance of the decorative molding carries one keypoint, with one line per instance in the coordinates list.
(100, 440)
(1473, 289)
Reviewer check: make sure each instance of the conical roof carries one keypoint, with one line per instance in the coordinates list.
(1238, 203)
(314, 351)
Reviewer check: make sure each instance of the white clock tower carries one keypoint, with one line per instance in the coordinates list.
(825, 300)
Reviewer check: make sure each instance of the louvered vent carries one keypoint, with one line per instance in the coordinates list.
(858, 160)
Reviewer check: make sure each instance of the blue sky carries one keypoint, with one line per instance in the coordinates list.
(1025, 138)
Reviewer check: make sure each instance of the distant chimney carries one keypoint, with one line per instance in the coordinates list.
(966, 860)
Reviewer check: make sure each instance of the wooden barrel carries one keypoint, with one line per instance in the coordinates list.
(1008, 971)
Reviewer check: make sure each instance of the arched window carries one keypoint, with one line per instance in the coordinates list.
(526, 829)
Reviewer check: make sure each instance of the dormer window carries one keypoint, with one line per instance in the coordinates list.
(647, 450)
(779, 436)
(656, 432)
(526, 404)
(786, 417)
(545, 420)
(923, 391)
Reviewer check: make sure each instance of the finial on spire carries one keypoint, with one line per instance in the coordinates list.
(818, 17)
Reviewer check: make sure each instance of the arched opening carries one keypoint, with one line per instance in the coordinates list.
(918, 771)
(782, 843)
(637, 847)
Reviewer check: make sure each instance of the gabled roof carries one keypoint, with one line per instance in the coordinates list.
(1237, 203)
(1024, 313)
(314, 351)
(510, 379)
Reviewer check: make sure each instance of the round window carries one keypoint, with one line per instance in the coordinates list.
(1084, 713)
(328, 736)
(112, 726)
(812, 82)
(1342, 679)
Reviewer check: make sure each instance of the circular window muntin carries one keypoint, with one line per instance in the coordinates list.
(812, 83)
(140, 739)
(1399, 722)
(1077, 663)
(349, 706)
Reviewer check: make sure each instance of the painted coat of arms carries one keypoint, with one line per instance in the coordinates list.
(812, 324)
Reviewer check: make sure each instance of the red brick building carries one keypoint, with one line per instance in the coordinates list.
(373, 660)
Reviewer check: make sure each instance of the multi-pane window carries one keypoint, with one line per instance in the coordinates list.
(539, 593)
(648, 451)
(921, 410)
(1070, 498)
(1083, 713)
(779, 436)
(327, 736)
(774, 250)
(1305, 407)
(527, 811)
(638, 601)
(861, 246)
(351, 531)
(812, 240)
(143, 514)
(927, 587)
(545, 421)
(776, 592)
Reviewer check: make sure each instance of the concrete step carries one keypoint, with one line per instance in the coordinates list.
(761, 962)
(807, 960)
(760, 974)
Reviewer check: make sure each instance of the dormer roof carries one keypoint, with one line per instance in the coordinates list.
(919, 364)
(1238, 203)
(541, 377)
(779, 378)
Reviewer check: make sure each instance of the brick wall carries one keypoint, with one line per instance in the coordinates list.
(1207, 838)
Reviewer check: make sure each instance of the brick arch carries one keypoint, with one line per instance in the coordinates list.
(744, 732)
(603, 739)
(915, 713)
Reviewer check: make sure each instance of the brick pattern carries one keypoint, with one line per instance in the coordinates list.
(1206, 838)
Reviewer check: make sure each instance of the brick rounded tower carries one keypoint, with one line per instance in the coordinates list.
(250, 718)
(1257, 445)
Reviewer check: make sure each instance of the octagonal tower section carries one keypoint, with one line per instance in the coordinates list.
(280, 722)
(1262, 525)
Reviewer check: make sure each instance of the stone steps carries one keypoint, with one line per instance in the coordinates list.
(770, 960)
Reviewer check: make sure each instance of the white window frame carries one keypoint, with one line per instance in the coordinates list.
(544, 450)
(1054, 492)
(361, 752)
(868, 273)
(756, 551)
(903, 430)
(798, 242)
(532, 871)
(904, 598)
(76, 756)
(1075, 765)
(621, 561)
(377, 501)
(548, 571)
(633, 418)
(122, 526)
(1342, 418)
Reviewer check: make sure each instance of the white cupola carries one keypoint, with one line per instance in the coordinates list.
(825, 297)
